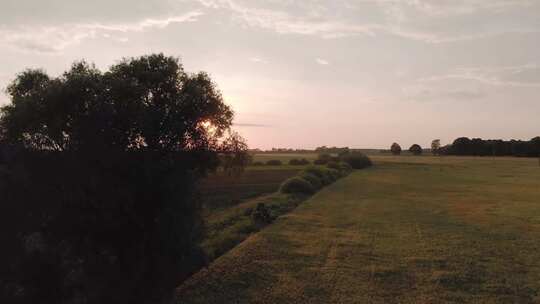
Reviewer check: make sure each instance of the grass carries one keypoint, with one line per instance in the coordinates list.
(409, 230)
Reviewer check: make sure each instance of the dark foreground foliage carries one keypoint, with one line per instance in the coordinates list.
(97, 180)
(118, 228)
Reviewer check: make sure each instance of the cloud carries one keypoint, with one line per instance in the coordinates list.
(427, 93)
(54, 39)
(257, 60)
(446, 8)
(322, 61)
(417, 20)
(497, 76)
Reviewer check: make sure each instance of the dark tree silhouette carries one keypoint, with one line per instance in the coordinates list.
(395, 149)
(415, 149)
(99, 199)
(498, 147)
(435, 146)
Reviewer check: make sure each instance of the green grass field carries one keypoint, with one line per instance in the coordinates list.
(408, 230)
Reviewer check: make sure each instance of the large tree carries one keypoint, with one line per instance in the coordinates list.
(144, 104)
(103, 180)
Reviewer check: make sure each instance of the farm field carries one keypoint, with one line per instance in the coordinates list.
(408, 230)
(223, 191)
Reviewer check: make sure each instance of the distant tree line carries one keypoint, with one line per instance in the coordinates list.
(492, 147)
(332, 150)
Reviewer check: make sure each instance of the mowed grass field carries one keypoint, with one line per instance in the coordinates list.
(408, 230)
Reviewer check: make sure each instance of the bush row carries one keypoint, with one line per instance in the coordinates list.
(313, 178)
(356, 160)
(277, 162)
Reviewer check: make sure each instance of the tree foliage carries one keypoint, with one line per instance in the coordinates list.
(149, 103)
(97, 179)
(497, 147)
(395, 148)
(415, 149)
(435, 146)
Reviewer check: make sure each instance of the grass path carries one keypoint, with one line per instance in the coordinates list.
(420, 231)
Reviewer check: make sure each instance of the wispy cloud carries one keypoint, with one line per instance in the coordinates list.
(322, 61)
(497, 76)
(429, 93)
(54, 39)
(257, 60)
(400, 21)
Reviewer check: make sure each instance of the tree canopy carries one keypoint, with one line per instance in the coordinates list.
(415, 149)
(148, 103)
(395, 148)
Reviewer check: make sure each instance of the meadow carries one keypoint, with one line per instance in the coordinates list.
(407, 230)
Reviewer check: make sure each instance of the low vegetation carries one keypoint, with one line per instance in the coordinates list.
(226, 227)
(357, 160)
(274, 162)
(299, 162)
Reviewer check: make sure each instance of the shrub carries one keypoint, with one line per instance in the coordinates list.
(357, 160)
(274, 162)
(321, 173)
(323, 159)
(296, 185)
(333, 175)
(333, 165)
(298, 162)
(345, 167)
(261, 214)
(319, 161)
(257, 164)
(294, 162)
(312, 179)
(304, 162)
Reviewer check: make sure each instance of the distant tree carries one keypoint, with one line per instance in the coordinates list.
(415, 149)
(462, 146)
(535, 147)
(498, 147)
(395, 149)
(234, 154)
(435, 146)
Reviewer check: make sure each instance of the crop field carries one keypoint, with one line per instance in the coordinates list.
(222, 191)
(408, 230)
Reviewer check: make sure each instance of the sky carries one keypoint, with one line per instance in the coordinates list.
(302, 74)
